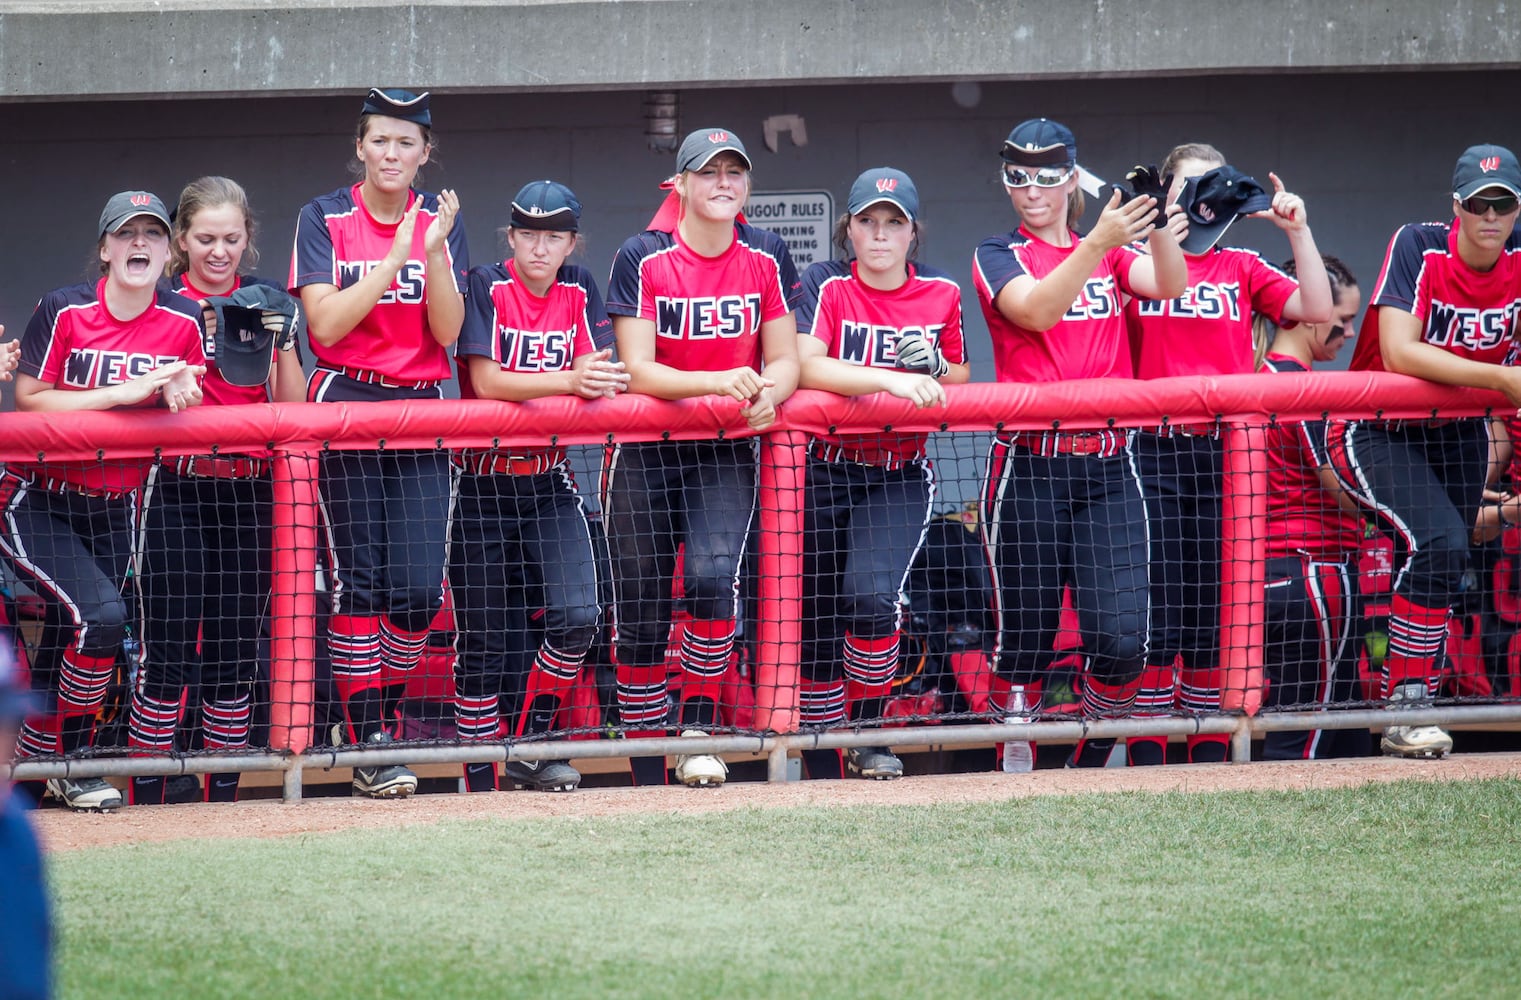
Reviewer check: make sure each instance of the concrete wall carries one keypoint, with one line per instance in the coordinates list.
(1367, 150)
(108, 48)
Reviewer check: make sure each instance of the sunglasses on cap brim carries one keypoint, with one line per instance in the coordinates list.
(1503, 204)
(1045, 177)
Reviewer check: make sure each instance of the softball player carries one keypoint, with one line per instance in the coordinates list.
(704, 309)
(1445, 309)
(120, 342)
(1313, 542)
(204, 560)
(534, 326)
(380, 269)
(1205, 331)
(1065, 507)
(876, 321)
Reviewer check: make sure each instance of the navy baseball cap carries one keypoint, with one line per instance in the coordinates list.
(705, 143)
(1040, 142)
(546, 205)
(1214, 200)
(127, 205)
(884, 184)
(393, 102)
(1485, 166)
(16, 702)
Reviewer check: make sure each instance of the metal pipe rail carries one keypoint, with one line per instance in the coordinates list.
(775, 746)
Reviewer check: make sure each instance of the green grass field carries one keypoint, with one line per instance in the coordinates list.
(1397, 890)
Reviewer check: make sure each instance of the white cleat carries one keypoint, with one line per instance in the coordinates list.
(700, 770)
(86, 794)
(1431, 742)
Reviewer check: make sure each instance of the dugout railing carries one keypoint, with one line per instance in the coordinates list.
(1237, 408)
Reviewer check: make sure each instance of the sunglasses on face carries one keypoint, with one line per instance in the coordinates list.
(1503, 204)
(1045, 177)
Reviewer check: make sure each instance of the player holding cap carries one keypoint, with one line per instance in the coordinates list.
(380, 269)
(869, 497)
(1444, 309)
(534, 326)
(1205, 331)
(1065, 507)
(120, 342)
(207, 519)
(1312, 608)
(704, 309)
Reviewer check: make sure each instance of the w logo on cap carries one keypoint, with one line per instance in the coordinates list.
(885, 184)
(718, 137)
(1489, 163)
(140, 200)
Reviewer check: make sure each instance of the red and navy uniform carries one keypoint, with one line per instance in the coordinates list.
(708, 313)
(1064, 509)
(386, 513)
(1424, 479)
(868, 497)
(521, 511)
(205, 563)
(1205, 331)
(1313, 608)
(67, 527)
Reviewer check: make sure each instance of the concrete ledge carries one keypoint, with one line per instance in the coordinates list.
(74, 49)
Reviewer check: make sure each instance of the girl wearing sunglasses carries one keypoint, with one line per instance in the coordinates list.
(1444, 309)
(1064, 507)
(1205, 331)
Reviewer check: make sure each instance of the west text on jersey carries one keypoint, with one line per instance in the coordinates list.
(877, 346)
(1206, 300)
(709, 318)
(1473, 329)
(408, 288)
(535, 350)
(1097, 300)
(87, 369)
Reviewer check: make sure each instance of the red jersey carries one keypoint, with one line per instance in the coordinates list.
(217, 390)
(74, 343)
(1303, 516)
(1088, 342)
(523, 332)
(338, 242)
(707, 311)
(1208, 329)
(1470, 313)
(860, 325)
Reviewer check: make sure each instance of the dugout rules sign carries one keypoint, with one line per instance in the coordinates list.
(802, 218)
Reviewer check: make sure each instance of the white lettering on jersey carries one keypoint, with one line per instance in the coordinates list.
(535, 350)
(1097, 300)
(87, 369)
(714, 317)
(1206, 300)
(408, 288)
(1469, 328)
(877, 346)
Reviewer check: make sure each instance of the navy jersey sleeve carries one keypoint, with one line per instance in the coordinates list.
(623, 283)
(478, 331)
(312, 258)
(792, 285)
(1402, 268)
(598, 322)
(37, 340)
(808, 301)
(995, 265)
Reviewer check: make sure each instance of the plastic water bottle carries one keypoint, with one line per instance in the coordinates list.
(1018, 755)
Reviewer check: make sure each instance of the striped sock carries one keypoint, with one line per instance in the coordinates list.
(83, 681)
(1416, 637)
(821, 703)
(707, 646)
(870, 665)
(552, 675)
(1154, 700)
